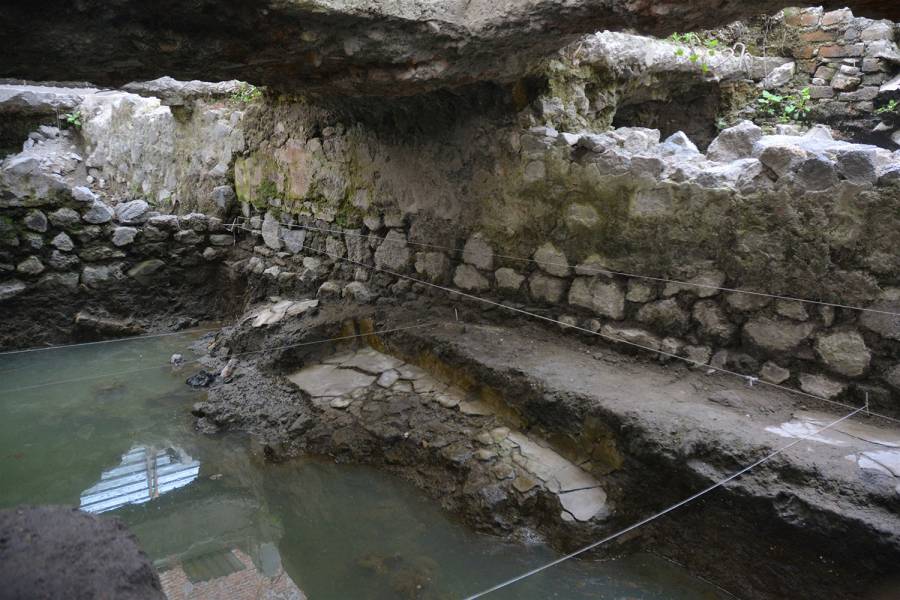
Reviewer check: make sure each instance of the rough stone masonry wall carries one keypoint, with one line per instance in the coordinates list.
(798, 215)
(64, 250)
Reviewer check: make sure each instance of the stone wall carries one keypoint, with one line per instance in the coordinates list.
(65, 250)
(806, 215)
(179, 159)
(851, 66)
(795, 214)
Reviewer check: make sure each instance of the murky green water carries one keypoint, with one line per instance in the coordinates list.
(213, 516)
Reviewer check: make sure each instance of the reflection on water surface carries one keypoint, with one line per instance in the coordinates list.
(221, 523)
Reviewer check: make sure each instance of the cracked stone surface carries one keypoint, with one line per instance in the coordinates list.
(329, 380)
(528, 461)
(285, 308)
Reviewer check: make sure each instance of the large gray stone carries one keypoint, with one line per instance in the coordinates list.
(64, 217)
(133, 212)
(884, 324)
(188, 237)
(62, 242)
(821, 386)
(508, 279)
(271, 231)
(393, 253)
(293, 240)
(815, 174)
(891, 376)
(776, 335)
(600, 295)
(705, 284)
(664, 315)
(329, 380)
(782, 159)
(546, 288)
(100, 275)
(844, 352)
(434, 265)
(735, 142)
(164, 222)
(62, 262)
(357, 291)
(36, 220)
(478, 252)
(11, 289)
(30, 266)
(552, 260)
(678, 143)
(713, 321)
(858, 165)
(744, 175)
(83, 194)
(467, 277)
(123, 236)
(779, 76)
(632, 336)
(98, 213)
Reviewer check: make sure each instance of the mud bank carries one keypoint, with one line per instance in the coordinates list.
(519, 418)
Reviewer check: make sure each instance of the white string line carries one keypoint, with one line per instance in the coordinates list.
(112, 341)
(665, 511)
(613, 338)
(608, 272)
(199, 361)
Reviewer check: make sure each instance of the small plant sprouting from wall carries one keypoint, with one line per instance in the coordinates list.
(73, 119)
(246, 93)
(787, 108)
(888, 108)
(700, 48)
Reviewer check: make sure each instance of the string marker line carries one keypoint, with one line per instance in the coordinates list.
(596, 270)
(612, 338)
(663, 512)
(198, 361)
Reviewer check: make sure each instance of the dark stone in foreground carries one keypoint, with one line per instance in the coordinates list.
(201, 378)
(61, 552)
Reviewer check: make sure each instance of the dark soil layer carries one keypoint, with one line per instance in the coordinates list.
(61, 552)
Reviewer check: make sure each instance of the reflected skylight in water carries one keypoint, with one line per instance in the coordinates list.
(145, 473)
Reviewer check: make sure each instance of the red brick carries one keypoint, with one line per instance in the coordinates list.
(837, 51)
(805, 52)
(818, 36)
(836, 16)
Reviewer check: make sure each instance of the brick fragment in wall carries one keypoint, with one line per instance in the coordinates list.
(818, 35)
(835, 17)
(840, 51)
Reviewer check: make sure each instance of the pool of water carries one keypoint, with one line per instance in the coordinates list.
(220, 522)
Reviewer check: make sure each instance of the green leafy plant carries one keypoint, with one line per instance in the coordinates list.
(887, 108)
(73, 119)
(786, 108)
(699, 47)
(246, 93)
